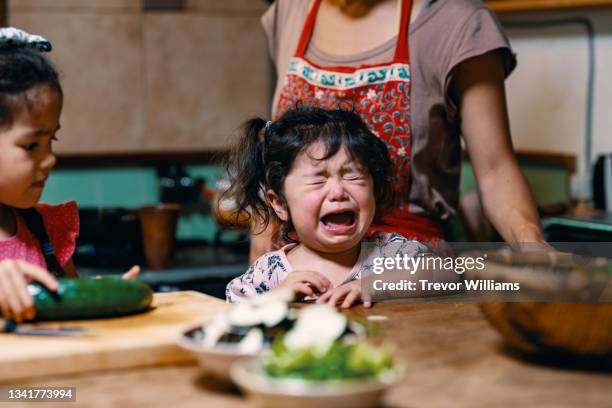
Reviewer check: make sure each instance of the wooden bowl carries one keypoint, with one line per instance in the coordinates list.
(565, 309)
(581, 329)
(224, 210)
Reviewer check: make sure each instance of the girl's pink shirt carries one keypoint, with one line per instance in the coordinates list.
(62, 226)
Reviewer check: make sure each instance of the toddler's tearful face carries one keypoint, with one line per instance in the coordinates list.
(331, 202)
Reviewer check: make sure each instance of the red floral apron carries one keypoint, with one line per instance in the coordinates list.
(380, 94)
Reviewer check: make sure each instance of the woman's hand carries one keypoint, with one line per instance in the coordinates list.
(132, 273)
(349, 293)
(15, 301)
(306, 283)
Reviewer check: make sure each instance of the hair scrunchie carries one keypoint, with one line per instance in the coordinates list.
(11, 38)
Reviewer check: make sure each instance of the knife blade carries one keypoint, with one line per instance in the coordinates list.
(28, 329)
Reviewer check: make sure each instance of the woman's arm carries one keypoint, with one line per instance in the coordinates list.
(478, 90)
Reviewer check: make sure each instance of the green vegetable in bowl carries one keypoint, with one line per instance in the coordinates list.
(324, 345)
(341, 361)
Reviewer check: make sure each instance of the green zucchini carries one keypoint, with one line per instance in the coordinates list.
(87, 298)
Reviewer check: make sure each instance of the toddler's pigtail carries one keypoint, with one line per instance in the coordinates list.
(246, 171)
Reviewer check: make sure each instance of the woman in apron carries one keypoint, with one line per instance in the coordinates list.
(446, 63)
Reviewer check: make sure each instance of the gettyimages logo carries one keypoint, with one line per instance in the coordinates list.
(487, 271)
(421, 262)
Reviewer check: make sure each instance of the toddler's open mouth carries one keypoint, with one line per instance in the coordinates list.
(339, 222)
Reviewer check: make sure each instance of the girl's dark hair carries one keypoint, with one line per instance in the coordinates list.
(21, 70)
(263, 157)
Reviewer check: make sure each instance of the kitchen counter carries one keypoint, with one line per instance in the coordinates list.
(204, 268)
(593, 227)
(453, 358)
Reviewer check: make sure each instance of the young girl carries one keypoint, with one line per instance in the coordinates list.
(33, 237)
(324, 177)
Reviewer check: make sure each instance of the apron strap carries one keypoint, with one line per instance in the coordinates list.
(307, 29)
(401, 48)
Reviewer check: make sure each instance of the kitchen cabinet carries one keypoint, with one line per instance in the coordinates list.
(153, 81)
(97, 51)
(204, 79)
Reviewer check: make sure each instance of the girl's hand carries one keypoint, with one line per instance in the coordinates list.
(351, 292)
(15, 301)
(306, 283)
(132, 273)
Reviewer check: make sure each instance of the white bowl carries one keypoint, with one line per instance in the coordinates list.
(216, 361)
(266, 391)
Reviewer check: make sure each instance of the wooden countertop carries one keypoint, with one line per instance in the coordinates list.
(453, 358)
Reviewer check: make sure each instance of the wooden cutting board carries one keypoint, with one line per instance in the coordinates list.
(144, 339)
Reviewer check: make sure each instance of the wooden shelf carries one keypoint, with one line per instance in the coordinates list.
(501, 6)
(135, 159)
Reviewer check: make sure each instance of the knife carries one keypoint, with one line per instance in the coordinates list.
(27, 329)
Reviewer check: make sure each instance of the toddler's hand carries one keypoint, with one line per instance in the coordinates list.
(15, 301)
(306, 283)
(351, 293)
(132, 273)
